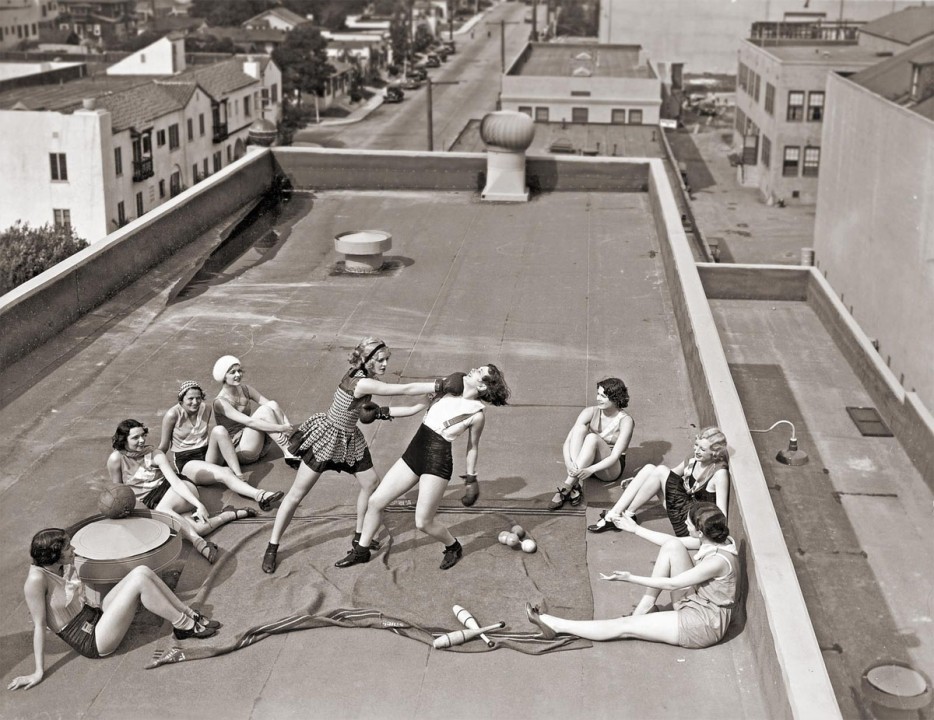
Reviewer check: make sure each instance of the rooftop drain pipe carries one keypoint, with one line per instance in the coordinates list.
(507, 135)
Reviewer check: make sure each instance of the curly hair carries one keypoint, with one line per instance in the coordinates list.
(616, 391)
(710, 520)
(118, 441)
(365, 351)
(717, 440)
(497, 391)
(47, 546)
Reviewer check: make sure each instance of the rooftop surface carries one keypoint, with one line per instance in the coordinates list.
(821, 53)
(892, 78)
(906, 26)
(559, 292)
(563, 59)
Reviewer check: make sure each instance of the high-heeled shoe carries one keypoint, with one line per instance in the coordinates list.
(534, 614)
(603, 525)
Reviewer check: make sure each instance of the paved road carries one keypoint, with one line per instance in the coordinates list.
(476, 66)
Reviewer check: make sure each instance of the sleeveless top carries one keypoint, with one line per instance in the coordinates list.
(140, 473)
(187, 434)
(692, 485)
(66, 598)
(241, 403)
(449, 416)
(609, 433)
(721, 590)
(334, 435)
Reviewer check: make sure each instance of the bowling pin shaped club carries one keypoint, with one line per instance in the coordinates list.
(469, 622)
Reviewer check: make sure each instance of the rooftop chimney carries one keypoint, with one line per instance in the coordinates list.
(507, 135)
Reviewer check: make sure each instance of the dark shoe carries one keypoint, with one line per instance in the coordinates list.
(293, 462)
(266, 501)
(205, 622)
(471, 493)
(374, 544)
(241, 513)
(355, 557)
(196, 631)
(452, 555)
(269, 559)
(209, 552)
(534, 614)
(576, 496)
(558, 500)
(602, 525)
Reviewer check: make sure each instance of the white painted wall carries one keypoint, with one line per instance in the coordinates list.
(163, 57)
(606, 94)
(874, 226)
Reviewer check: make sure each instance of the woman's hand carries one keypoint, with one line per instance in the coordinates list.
(625, 522)
(287, 430)
(572, 468)
(26, 681)
(616, 575)
(200, 513)
(582, 473)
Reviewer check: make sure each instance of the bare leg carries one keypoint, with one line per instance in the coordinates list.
(369, 480)
(252, 441)
(120, 604)
(221, 447)
(205, 473)
(305, 480)
(642, 488)
(430, 493)
(399, 480)
(673, 559)
(657, 627)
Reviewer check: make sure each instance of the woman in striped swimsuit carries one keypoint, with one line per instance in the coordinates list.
(332, 441)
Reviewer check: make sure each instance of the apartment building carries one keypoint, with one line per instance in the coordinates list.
(780, 106)
(583, 83)
(100, 151)
(21, 20)
(101, 22)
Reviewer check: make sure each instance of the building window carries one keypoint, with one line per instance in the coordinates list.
(755, 86)
(526, 109)
(175, 183)
(217, 161)
(121, 214)
(62, 218)
(118, 161)
(580, 93)
(790, 162)
(579, 115)
(618, 116)
(201, 124)
(229, 154)
(173, 136)
(205, 166)
(59, 166)
(635, 117)
(161, 189)
(815, 106)
(740, 123)
(811, 163)
(770, 98)
(139, 205)
(274, 94)
(766, 155)
(742, 76)
(194, 173)
(246, 106)
(795, 105)
(160, 138)
(541, 114)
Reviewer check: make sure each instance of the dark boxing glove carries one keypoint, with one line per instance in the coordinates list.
(453, 384)
(370, 411)
(471, 491)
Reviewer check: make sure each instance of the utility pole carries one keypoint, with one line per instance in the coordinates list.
(431, 129)
(534, 20)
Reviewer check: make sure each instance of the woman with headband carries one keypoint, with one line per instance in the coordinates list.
(332, 441)
(249, 429)
(200, 446)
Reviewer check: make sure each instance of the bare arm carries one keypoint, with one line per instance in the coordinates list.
(370, 386)
(169, 420)
(407, 410)
(114, 468)
(709, 568)
(162, 462)
(625, 522)
(582, 419)
(223, 407)
(34, 590)
(473, 442)
(721, 482)
(627, 425)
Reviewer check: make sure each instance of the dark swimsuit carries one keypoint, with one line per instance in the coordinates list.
(683, 491)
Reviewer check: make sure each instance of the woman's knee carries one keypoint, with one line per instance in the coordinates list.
(424, 521)
(219, 433)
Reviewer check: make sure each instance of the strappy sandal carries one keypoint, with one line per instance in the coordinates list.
(205, 621)
(268, 498)
(534, 613)
(209, 552)
(247, 512)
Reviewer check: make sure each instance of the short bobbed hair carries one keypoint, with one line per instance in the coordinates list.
(497, 391)
(717, 440)
(47, 546)
(365, 351)
(123, 433)
(710, 520)
(616, 391)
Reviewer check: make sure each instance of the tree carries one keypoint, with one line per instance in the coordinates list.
(228, 13)
(26, 252)
(207, 43)
(399, 33)
(303, 61)
(423, 38)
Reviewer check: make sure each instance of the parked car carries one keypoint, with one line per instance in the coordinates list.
(432, 61)
(393, 94)
(450, 46)
(411, 84)
(418, 73)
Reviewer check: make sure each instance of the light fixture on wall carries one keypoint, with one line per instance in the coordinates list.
(790, 455)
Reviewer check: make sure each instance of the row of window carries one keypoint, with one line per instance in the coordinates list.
(794, 162)
(749, 80)
(618, 116)
(21, 31)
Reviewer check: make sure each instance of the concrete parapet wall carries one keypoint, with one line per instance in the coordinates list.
(903, 411)
(791, 670)
(35, 311)
(754, 282)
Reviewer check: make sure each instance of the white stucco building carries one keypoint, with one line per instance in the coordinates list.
(98, 152)
(583, 83)
(21, 20)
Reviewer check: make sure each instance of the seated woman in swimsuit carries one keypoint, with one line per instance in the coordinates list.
(56, 599)
(250, 430)
(199, 446)
(148, 472)
(428, 463)
(703, 477)
(703, 588)
(597, 443)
